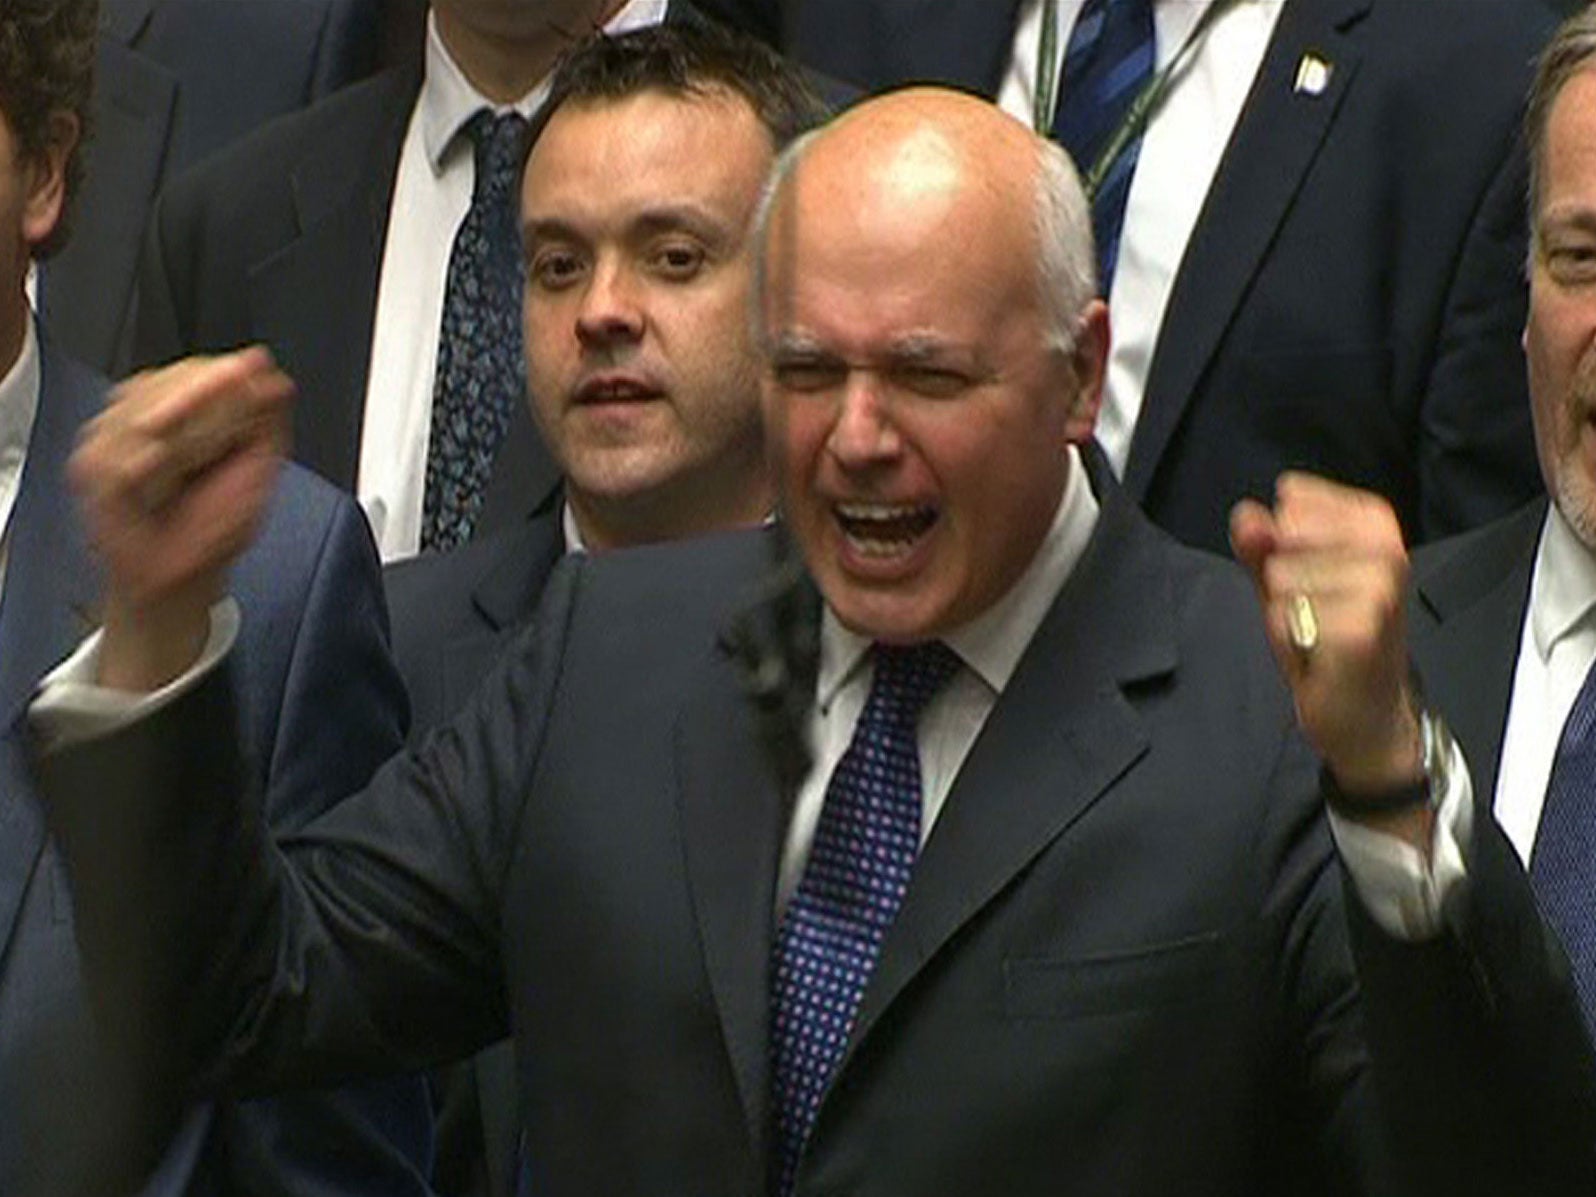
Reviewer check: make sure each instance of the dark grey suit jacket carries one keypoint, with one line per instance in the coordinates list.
(1466, 617)
(175, 81)
(1122, 964)
(312, 613)
(1352, 295)
(454, 615)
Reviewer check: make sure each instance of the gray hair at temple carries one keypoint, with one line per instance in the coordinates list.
(1066, 261)
(1571, 51)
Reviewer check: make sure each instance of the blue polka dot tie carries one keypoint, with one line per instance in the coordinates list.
(479, 377)
(1109, 59)
(858, 870)
(1563, 862)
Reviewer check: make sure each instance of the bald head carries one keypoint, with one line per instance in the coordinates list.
(918, 166)
(925, 149)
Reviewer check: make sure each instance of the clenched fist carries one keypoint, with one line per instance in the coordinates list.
(174, 476)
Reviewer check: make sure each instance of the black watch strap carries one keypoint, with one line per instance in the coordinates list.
(1435, 756)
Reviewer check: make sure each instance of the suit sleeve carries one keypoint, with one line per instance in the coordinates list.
(367, 942)
(1479, 1040)
(1476, 446)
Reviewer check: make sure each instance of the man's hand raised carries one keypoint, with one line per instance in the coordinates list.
(174, 476)
(1331, 573)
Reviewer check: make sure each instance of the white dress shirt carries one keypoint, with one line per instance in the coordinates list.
(432, 193)
(1556, 649)
(1179, 157)
(19, 404)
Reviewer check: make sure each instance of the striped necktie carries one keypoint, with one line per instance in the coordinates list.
(1109, 59)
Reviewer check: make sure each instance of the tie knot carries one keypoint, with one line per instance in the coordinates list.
(909, 675)
(498, 142)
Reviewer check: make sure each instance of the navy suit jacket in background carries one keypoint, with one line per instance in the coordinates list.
(175, 81)
(321, 706)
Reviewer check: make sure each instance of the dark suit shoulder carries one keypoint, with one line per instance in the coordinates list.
(345, 121)
(674, 605)
(705, 578)
(452, 613)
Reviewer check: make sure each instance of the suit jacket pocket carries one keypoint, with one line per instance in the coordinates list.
(1177, 973)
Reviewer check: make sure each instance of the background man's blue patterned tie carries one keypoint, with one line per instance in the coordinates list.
(480, 377)
(858, 870)
(1563, 862)
(1109, 59)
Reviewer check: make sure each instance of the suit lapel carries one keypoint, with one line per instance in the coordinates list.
(731, 794)
(1056, 742)
(509, 591)
(505, 597)
(1478, 599)
(315, 301)
(525, 476)
(124, 20)
(1275, 142)
(44, 608)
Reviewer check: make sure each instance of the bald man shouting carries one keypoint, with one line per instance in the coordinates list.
(1052, 906)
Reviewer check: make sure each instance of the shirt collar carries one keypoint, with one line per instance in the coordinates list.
(19, 398)
(448, 100)
(993, 642)
(1565, 583)
(573, 535)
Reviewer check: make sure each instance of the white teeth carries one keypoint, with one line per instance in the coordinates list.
(878, 511)
(878, 548)
(884, 529)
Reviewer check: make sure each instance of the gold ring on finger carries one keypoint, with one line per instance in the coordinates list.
(1302, 623)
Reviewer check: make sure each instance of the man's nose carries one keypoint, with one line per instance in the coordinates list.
(611, 310)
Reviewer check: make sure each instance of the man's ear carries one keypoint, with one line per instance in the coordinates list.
(44, 178)
(1089, 362)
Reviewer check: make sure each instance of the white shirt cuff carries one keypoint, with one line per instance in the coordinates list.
(1402, 891)
(71, 707)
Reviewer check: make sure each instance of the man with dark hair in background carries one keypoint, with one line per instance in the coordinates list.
(338, 238)
(636, 209)
(323, 707)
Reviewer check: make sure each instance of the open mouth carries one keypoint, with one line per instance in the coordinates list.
(616, 390)
(884, 529)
